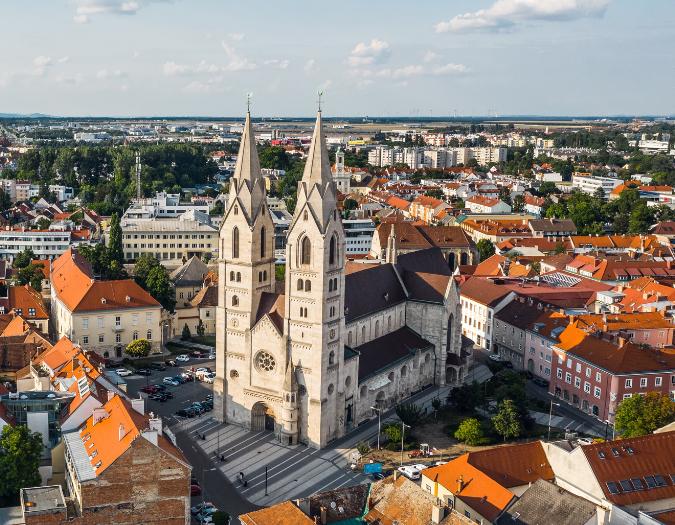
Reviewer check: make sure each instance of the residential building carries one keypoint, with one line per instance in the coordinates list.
(495, 230)
(170, 240)
(617, 270)
(534, 205)
(162, 206)
(590, 184)
(427, 208)
(27, 303)
(358, 236)
(645, 328)
(552, 227)
(102, 316)
(595, 372)
(480, 204)
(46, 244)
(480, 300)
(188, 280)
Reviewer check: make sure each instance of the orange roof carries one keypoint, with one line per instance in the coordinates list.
(280, 514)
(17, 326)
(59, 354)
(75, 287)
(45, 266)
(484, 201)
(625, 321)
(397, 202)
(431, 202)
(496, 265)
(25, 298)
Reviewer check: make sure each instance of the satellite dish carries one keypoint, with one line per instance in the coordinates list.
(332, 505)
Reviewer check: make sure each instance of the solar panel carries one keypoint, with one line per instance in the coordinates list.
(660, 480)
(626, 485)
(612, 487)
(637, 483)
(651, 482)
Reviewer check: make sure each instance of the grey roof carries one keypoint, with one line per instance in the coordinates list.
(384, 290)
(553, 225)
(192, 272)
(545, 502)
(79, 457)
(41, 499)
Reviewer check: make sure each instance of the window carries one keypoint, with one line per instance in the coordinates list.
(236, 209)
(85, 339)
(301, 285)
(331, 358)
(569, 363)
(99, 321)
(101, 339)
(263, 247)
(235, 300)
(643, 382)
(85, 322)
(148, 317)
(578, 368)
(363, 335)
(377, 328)
(597, 392)
(629, 383)
(118, 338)
(587, 387)
(308, 285)
(135, 336)
(657, 381)
(238, 277)
(577, 382)
(31, 312)
(598, 377)
(235, 243)
(626, 396)
(134, 319)
(349, 338)
(231, 276)
(588, 372)
(148, 335)
(559, 373)
(332, 250)
(306, 250)
(568, 377)
(304, 215)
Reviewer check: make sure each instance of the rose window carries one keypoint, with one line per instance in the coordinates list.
(265, 362)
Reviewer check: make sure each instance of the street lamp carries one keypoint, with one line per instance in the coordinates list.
(379, 412)
(550, 414)
(403, 425)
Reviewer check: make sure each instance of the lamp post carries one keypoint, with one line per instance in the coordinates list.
(550, 415)
(403, 425)
(379, 413)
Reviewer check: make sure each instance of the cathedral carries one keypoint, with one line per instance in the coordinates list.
(310, 363)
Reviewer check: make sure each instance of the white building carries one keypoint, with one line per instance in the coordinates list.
(46, 244)
(481, 300)
(588, 183)
(358, 235)
(163, 205)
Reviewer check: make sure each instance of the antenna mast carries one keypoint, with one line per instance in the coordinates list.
(138, 175)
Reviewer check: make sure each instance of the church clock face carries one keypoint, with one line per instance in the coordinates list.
(265, 362)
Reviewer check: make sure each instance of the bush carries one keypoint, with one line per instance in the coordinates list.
(409, 413)
(221, 518)
(363, 448)
(469, 431)
(393, 433)
(138, 348)
(185, 335)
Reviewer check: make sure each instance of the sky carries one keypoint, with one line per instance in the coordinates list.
(368, 57)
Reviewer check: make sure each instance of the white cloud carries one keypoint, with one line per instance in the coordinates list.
(450, 69)
(407, 71)
(504, 14)
(73, 80)
(278, 64)
(42, 61)
(63, 60)
(309, 65)
(236, 62)
(135, 54)
(85, 9)
(238, 37)
(325, 85)
(172, 69)
(197, 87)
(430, 56)
(105, 74)
(366, 54)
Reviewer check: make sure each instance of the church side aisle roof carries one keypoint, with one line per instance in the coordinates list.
(382, 287)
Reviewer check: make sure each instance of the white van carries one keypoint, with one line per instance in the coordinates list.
(409, 472)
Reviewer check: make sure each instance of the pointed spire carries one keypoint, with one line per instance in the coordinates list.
(392, 246)
(289, 377)
(317, 167)
(248, 165)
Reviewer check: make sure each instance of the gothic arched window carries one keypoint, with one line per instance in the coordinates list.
(301, 285)
(236, 209)
(331, 358)
(231, 276)
(306, 251)
(238, 277)
(235, 243)
(235, 300)
(308, 285)
(305, 215)
(263, 237)
(332, 251)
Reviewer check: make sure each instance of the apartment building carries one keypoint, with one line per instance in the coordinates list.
(162, 205)
(587, 183)
(46, 244)
(170, 240)
(358, 236)
(481, 204)
(101, 316)
(481, 299)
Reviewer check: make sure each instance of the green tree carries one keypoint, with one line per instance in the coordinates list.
(220, 517)
(485, 249)
(144, 264)
(393, 432)
(469, 431)
(20, 452)
(185, 334)
(23, 258)
(466, 397)
(409, 413)
(507, 422)
(32, 274)
(43, 223)
(556, 210)
(5, 201)
(641, 415)
(518, 204)
(159, 285)
(201, 329)
(641, 218)
(115, 251)
(279, 272)
(599, 193)
(138, 348)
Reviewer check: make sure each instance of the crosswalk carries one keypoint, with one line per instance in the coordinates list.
(273, 472)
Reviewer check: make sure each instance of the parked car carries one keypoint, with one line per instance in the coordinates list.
(159, 396)
(185, 412)
(196, 353)
(209, 378)
(207, 406)
(203, 369)
(585, 441)
(170, 362)
(377, 476)
(183, 358)
(540, 381)
(157, 366)
(123, 372)
(495, 357)
(212, 356)
(195, 490)
(180, 379)
(201, 506)
(419, 466)
(159, 387)
(150, 389)
(170, 381)
(409, 472)
(197, 407)
(143, 372)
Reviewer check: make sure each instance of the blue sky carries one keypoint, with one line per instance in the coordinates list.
(371, 57)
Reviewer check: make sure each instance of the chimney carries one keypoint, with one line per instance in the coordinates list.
(151, 436)
(396, 474)
(138, 405)
(155, 423)
(622, 341)
(121, 432)
(111, 394)
(437, 513)
(324, 516)
(98, 414)
(460, 484)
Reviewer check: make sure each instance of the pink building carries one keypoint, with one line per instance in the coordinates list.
(539, 341)
(642, 328)
(595, 374)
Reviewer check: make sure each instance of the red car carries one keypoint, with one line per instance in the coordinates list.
(195, 490)
(150, 389)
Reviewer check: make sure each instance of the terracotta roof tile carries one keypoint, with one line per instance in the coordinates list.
(280, 514)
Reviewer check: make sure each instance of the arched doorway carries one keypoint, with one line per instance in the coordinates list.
(262, 417)
(450, 375)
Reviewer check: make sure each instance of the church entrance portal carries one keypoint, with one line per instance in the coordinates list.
(262, 417)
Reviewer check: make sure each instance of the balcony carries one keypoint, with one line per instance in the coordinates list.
(117, 328)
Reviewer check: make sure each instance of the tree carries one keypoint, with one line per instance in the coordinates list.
(506, 421)
(20, 452)
(32, 274)
(115, 251)
(485, 249)
(23, 258)
(641, 415)
(185, 334)
(159, 285)
(279, 272)
(409, 413)
(220, 517)
(599, 193)
(518, 203)
(201, 329)
(142, 268)
(466, 397)
(138, 348)
(393, 432)
(469, 431)
(5, 201)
